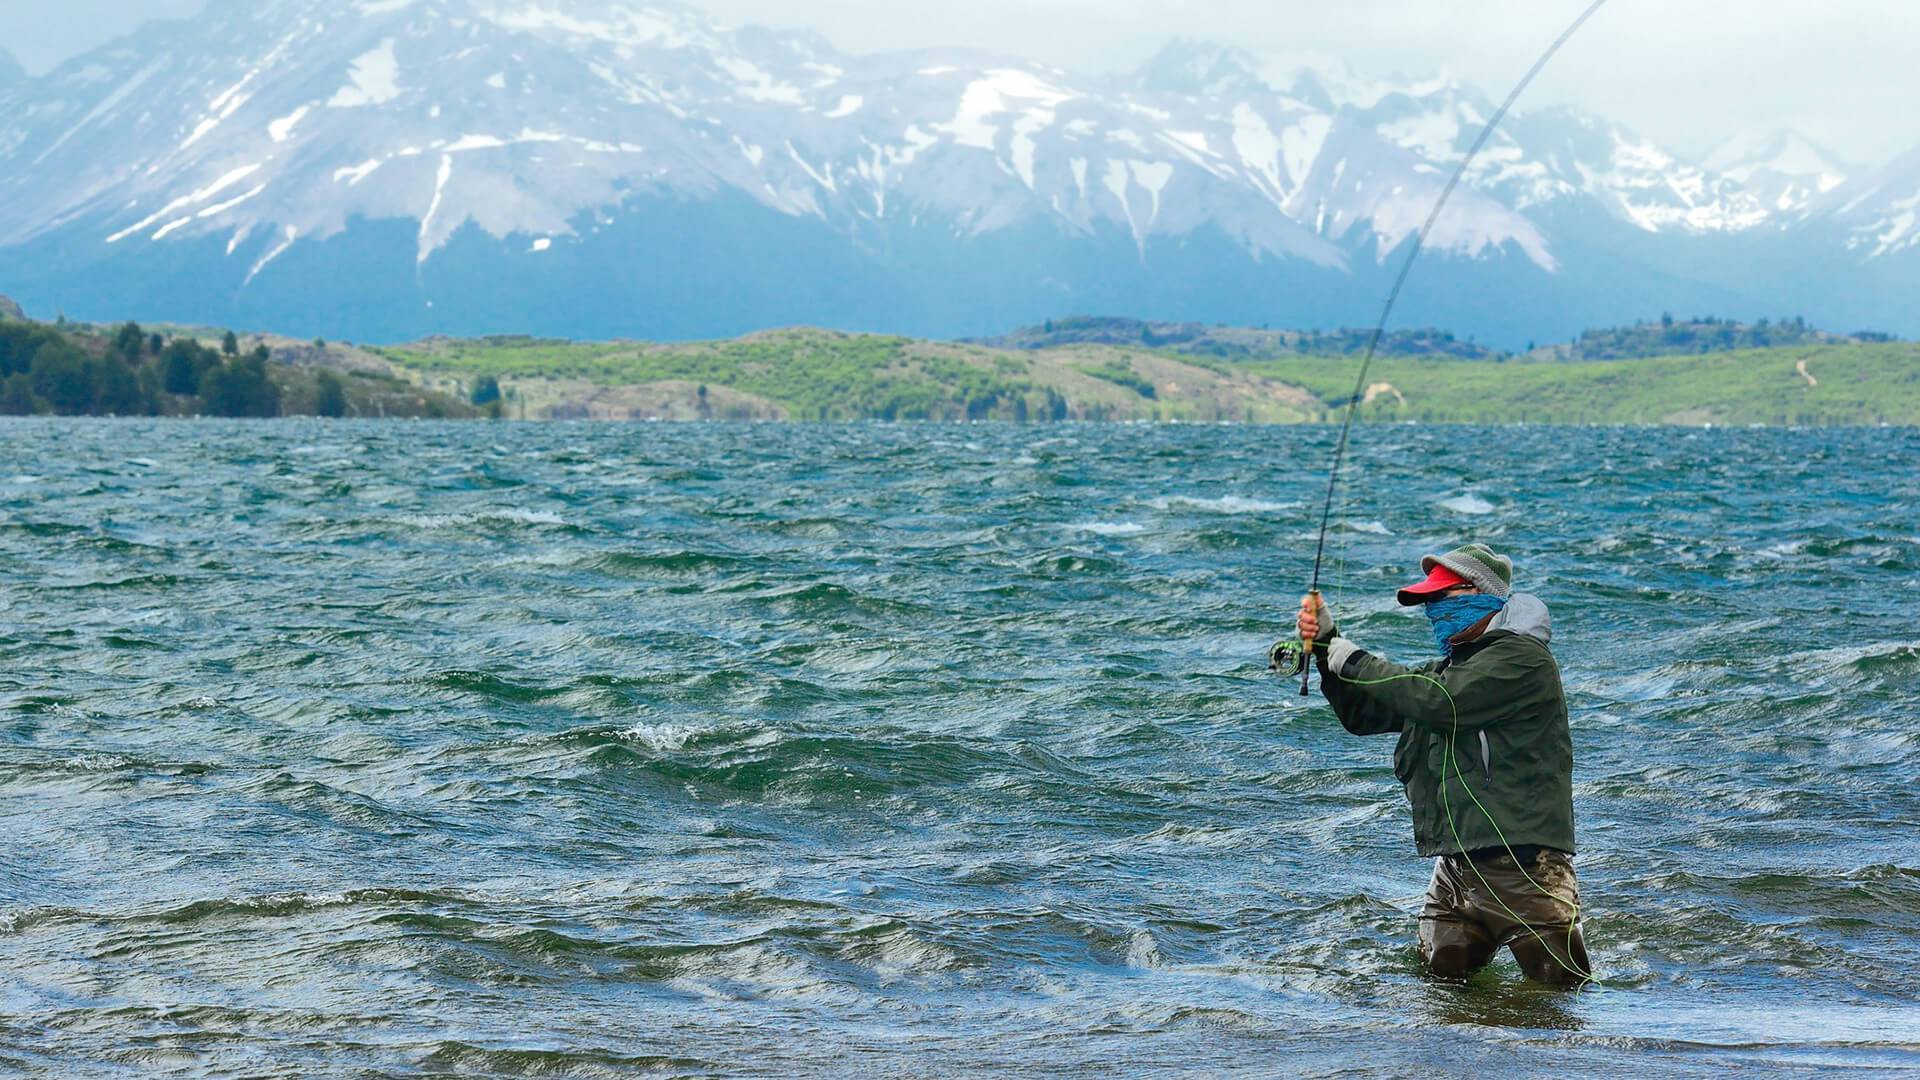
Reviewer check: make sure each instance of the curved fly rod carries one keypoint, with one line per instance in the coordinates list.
(1284, 655)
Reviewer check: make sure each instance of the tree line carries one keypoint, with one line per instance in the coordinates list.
(135, 373)
(1700, 334)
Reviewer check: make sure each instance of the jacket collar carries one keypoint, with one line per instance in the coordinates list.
(1524, 615)
(1472, 633)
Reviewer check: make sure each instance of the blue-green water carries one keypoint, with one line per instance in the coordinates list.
(408, 749)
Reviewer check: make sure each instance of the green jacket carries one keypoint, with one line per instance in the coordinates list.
(1506, 757)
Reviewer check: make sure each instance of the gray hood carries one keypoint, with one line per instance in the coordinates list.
(1526, 614)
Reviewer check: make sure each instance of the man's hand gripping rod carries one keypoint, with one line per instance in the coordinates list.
(1290, 657)
(1306, 643)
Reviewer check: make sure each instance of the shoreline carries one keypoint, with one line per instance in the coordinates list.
(1037, 425)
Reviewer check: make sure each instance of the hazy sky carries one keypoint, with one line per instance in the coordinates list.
(1687, 72)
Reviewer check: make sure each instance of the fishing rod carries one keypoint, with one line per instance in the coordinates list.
(1288, 653)
(1291, 657)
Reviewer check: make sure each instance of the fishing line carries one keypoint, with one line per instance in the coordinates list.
(1453, 826)
(1333, 485)
(1406, 268)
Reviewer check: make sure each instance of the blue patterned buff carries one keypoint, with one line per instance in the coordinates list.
(1457, 613)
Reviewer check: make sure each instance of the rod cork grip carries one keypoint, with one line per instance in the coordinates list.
(1306, 645)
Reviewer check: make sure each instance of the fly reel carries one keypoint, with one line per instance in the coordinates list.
(1287, 658)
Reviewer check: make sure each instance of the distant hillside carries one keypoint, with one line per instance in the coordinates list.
(1700, 335)
(1233, 343)
(1812, 385)
(1667, 337)
(824, 375)
(78, 370)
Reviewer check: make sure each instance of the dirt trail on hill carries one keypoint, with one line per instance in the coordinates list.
(1382, 389)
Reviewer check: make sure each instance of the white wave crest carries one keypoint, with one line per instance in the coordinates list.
(1225, 504)
(667, 736)
(509, 514)
(98, 762)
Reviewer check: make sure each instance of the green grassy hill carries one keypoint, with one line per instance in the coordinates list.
(1823, 384)
(824, 375)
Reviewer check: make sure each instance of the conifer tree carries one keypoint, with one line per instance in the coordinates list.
(330, 395)
(129, 340)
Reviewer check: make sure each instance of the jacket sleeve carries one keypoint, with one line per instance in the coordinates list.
(1360, 712)
(1373, 696)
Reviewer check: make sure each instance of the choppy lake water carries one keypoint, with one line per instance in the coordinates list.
(408, 749)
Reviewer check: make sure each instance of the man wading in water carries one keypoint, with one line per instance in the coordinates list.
(1487, 762)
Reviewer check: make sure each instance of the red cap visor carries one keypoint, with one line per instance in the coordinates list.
(1439, 581)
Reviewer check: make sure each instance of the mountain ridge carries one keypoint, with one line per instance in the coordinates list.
(413, 166)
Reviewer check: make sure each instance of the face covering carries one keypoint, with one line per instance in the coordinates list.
(1457, 613)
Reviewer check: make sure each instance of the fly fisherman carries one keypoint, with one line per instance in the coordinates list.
(1487, 762)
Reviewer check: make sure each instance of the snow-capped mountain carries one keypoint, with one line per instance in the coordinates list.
(1535, 158)
(306, 114)
(1881, 209)
(391, 167)
(1784, 171)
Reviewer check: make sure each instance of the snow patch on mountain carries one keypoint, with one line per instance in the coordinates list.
(373, 80)
(220, 208)
(200, 196)
(353, 174)
(1880, 209)
(756, 84)
(625, 26)
(1784, 170)
(291, 234)
(1432, 135)
(994, 95)
(428, 240)
(1279, 163)
(1301, 144)
(282, 129)
(1657, 192)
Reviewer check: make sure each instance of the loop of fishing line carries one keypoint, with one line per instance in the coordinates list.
(1292, 657)
(1573, 924)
